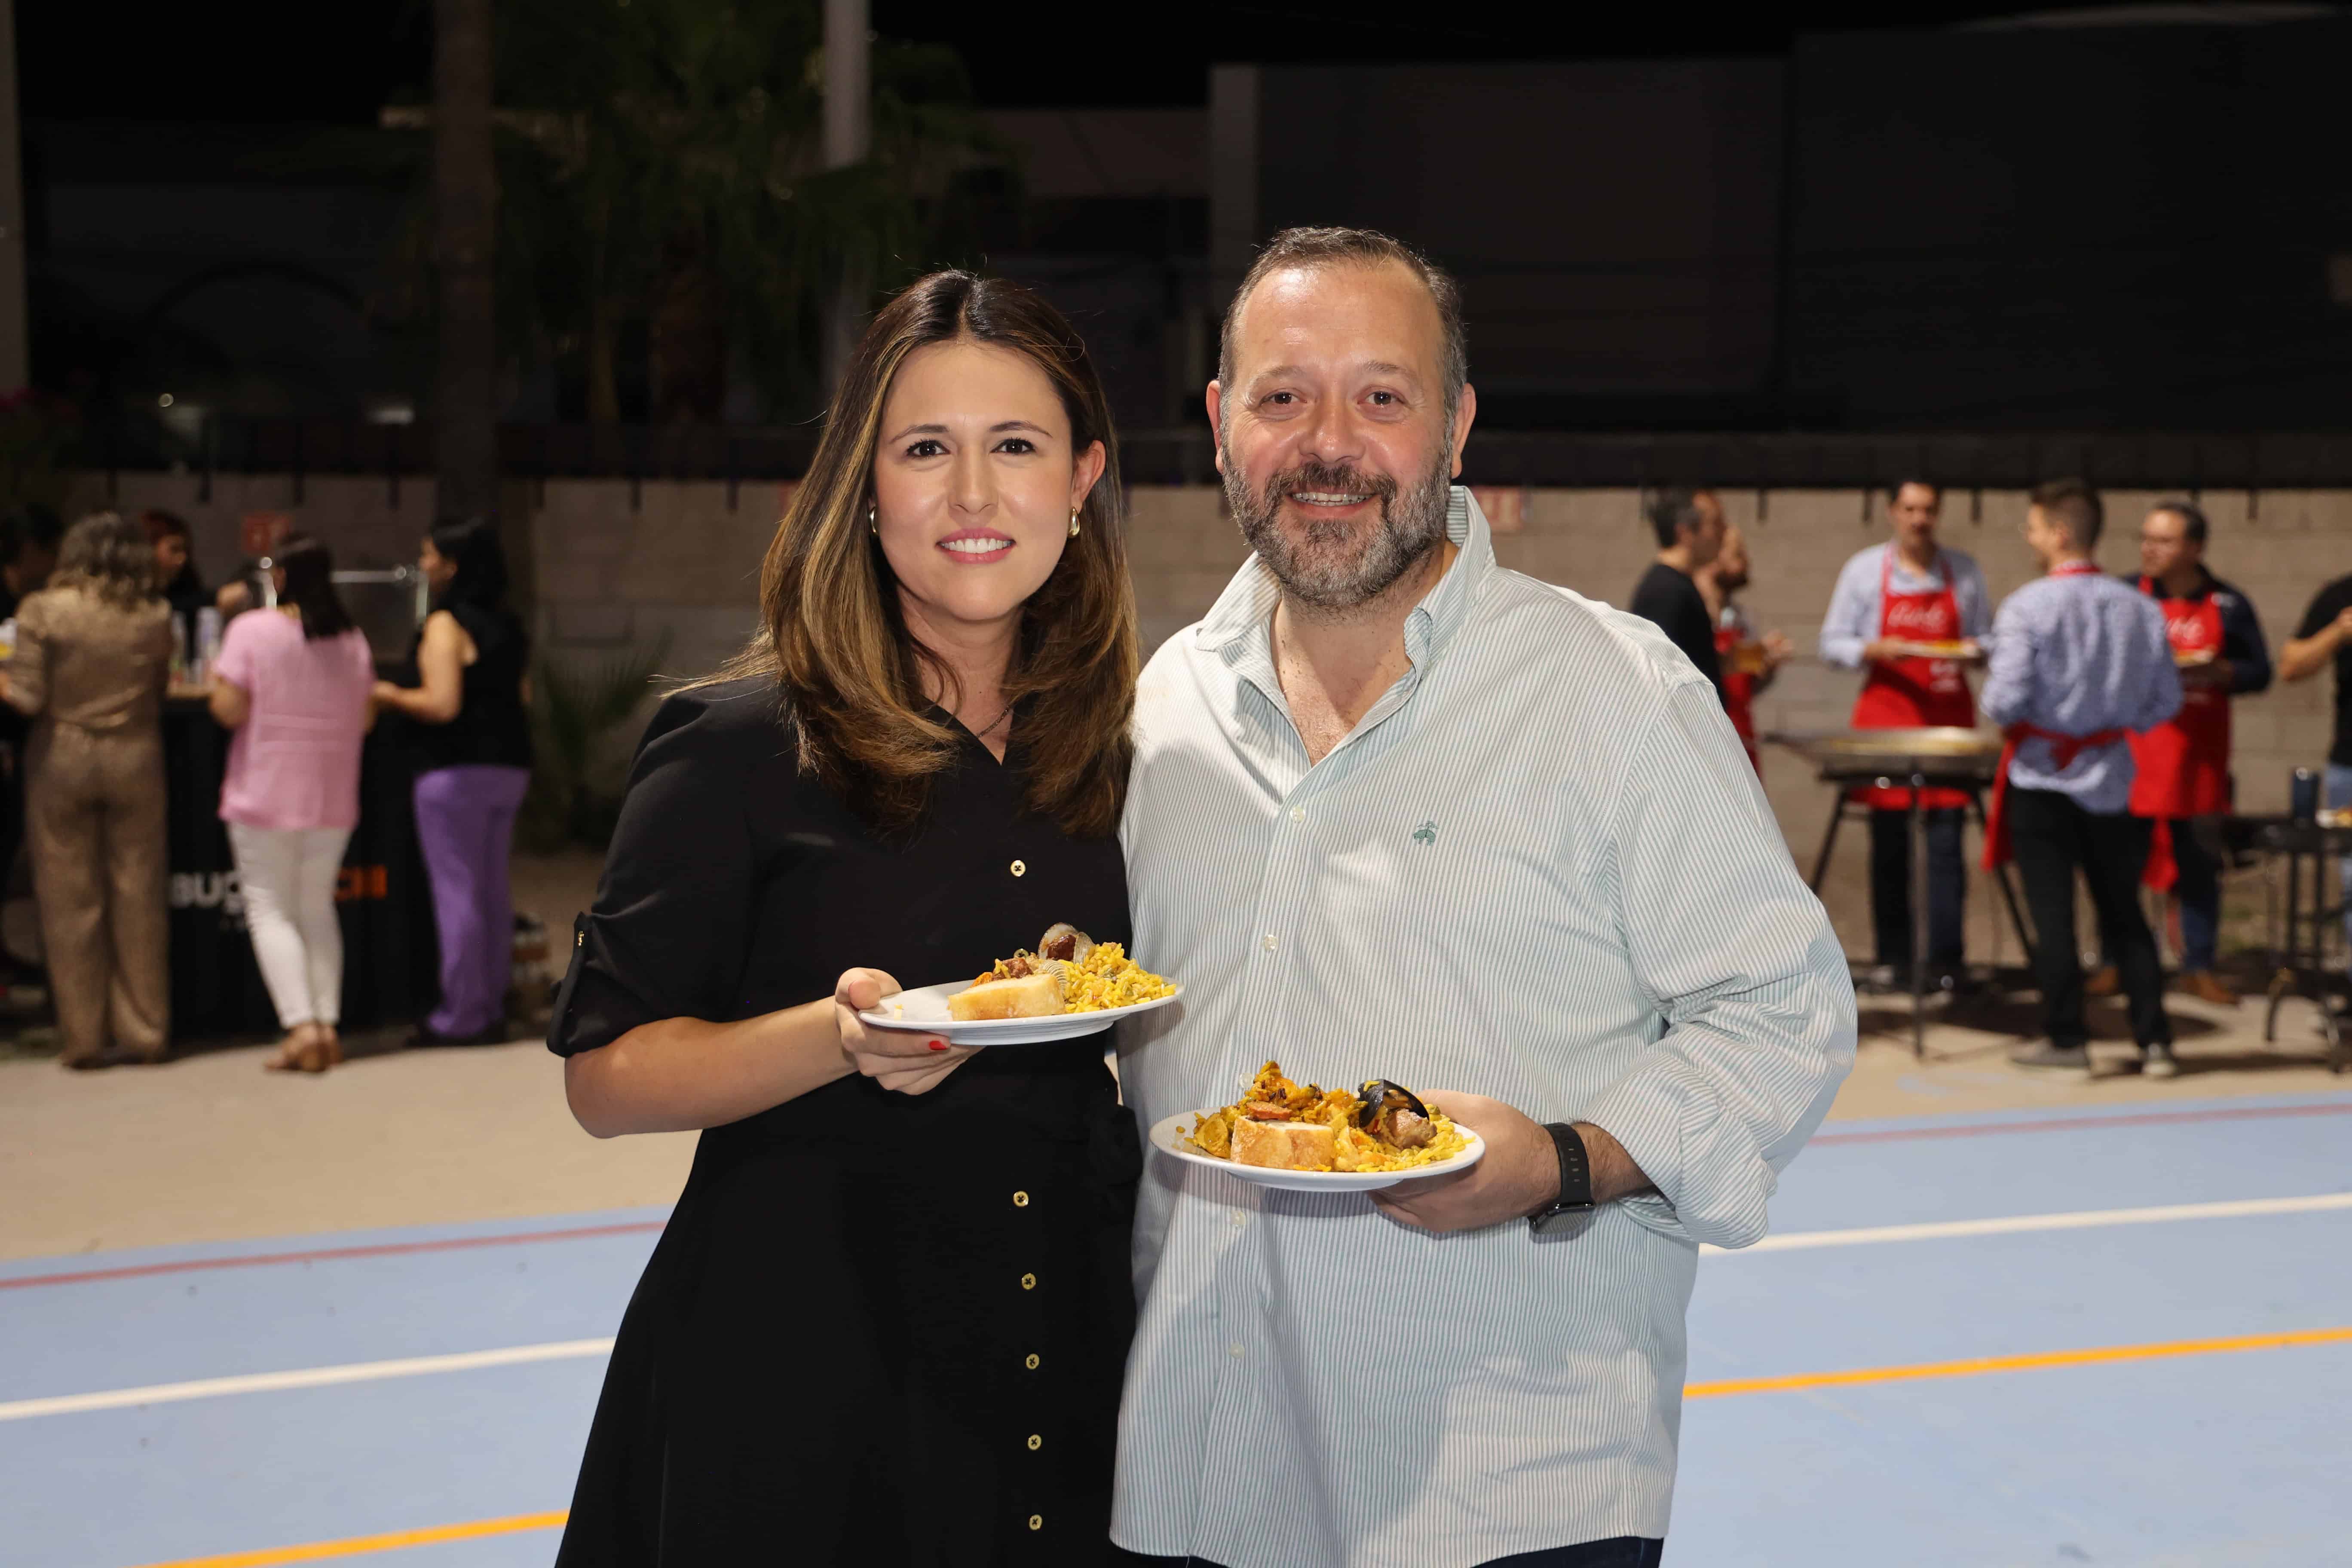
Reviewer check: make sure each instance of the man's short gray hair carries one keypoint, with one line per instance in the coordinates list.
(1312, 247)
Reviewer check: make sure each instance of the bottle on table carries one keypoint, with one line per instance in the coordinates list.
(208, 641)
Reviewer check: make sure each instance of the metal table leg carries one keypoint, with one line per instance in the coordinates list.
(1919, 826)
(2286, 968)
(1828, 840)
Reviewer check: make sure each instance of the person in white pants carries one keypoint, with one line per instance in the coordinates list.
(288, 877)
(294, 683)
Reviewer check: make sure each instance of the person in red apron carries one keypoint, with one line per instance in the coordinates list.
(1913, 615)
(1749, 662)
(2080, 663)
(2184, 763)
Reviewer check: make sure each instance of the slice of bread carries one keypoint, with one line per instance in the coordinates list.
(1035, 995)
(1284, 1145)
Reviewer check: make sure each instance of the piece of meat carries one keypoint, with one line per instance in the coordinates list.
(1018, 967)
(1067, 943)
(1259, 1110)
(1400, 1129)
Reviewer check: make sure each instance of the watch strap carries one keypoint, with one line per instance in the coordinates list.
(1575, 1174)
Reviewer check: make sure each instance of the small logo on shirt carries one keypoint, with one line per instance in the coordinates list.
(1425, 834)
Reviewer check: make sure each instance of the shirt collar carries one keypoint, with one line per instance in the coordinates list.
(1244, 612)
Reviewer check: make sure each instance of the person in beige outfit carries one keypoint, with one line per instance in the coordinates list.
(93, 654)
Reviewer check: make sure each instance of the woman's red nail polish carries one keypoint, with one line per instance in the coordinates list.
(939, 1045)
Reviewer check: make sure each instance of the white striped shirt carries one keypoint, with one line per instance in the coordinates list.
(1540, 869)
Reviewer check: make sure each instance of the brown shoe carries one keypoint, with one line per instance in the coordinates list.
(2103, 982)
(2206, 987)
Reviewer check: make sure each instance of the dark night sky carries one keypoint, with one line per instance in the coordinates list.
(296, 60)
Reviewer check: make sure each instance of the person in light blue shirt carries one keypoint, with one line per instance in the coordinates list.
(2080, 662)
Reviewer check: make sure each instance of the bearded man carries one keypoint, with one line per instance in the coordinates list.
(1398, 812)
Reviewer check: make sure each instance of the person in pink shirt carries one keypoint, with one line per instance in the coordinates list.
(294, 684)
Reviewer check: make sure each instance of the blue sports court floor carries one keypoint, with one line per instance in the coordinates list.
(2035, 1338)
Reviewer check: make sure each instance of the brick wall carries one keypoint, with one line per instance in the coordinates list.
(2279, 548)
(615, 567)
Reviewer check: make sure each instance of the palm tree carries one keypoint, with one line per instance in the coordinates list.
(465, 209)
(669, 168)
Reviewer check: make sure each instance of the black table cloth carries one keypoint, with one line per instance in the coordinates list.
(389, 959)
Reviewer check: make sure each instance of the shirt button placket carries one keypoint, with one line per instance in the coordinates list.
(1025, 1207)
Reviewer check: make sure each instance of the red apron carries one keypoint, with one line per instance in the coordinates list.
(1915, 693)
(1739, 693)
(2064, 749)
(2184, 762)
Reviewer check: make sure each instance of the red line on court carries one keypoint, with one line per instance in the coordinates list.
(2076, 1123)
(332, 1254)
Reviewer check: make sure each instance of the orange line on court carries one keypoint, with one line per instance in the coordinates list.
(316, 1551)
(2015, 1363)
(357, 1545)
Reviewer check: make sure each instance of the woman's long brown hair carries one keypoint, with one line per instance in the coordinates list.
(852, 675)
(107, 556)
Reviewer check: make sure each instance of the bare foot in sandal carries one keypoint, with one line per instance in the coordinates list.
(304, 1049)
(289, 1051)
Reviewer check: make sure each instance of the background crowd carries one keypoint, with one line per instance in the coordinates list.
(106, 621)
(2117, 708)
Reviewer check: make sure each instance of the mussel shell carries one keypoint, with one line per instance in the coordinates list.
(1374, 1096)
(1061, 933)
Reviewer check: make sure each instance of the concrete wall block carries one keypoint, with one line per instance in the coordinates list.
(589, 517)
(2255, 727)
(1184, 592)
(357, 515)
(699, 639)
(568, 581)
(1171, 526)
(612, 572)
(598, 625)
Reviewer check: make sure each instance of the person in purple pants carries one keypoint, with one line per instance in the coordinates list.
(470, 701)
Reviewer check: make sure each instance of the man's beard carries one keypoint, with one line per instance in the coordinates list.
(1337, 565)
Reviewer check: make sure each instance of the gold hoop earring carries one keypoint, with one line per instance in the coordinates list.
(1074, 523)
(871, 526)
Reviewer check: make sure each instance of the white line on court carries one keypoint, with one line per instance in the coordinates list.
(301, 1377)
(566, 1349)
(2013, 1225)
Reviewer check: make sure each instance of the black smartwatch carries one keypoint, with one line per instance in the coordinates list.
(1575, 1182)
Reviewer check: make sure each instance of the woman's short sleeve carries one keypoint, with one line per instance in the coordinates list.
(667, 937)
(235, 664)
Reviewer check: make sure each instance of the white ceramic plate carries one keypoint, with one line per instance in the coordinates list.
(926, 1012)
(1168, 1137)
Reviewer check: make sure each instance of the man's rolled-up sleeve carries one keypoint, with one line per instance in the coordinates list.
(2009, 675)
(1747, 976)
(1846, 629)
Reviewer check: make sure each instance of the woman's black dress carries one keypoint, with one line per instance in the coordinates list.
(880, 1329)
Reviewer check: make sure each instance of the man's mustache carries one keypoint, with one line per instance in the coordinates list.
(1343, 478)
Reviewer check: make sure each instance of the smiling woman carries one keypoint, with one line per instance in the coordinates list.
(970, 432)
(887, 1322)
